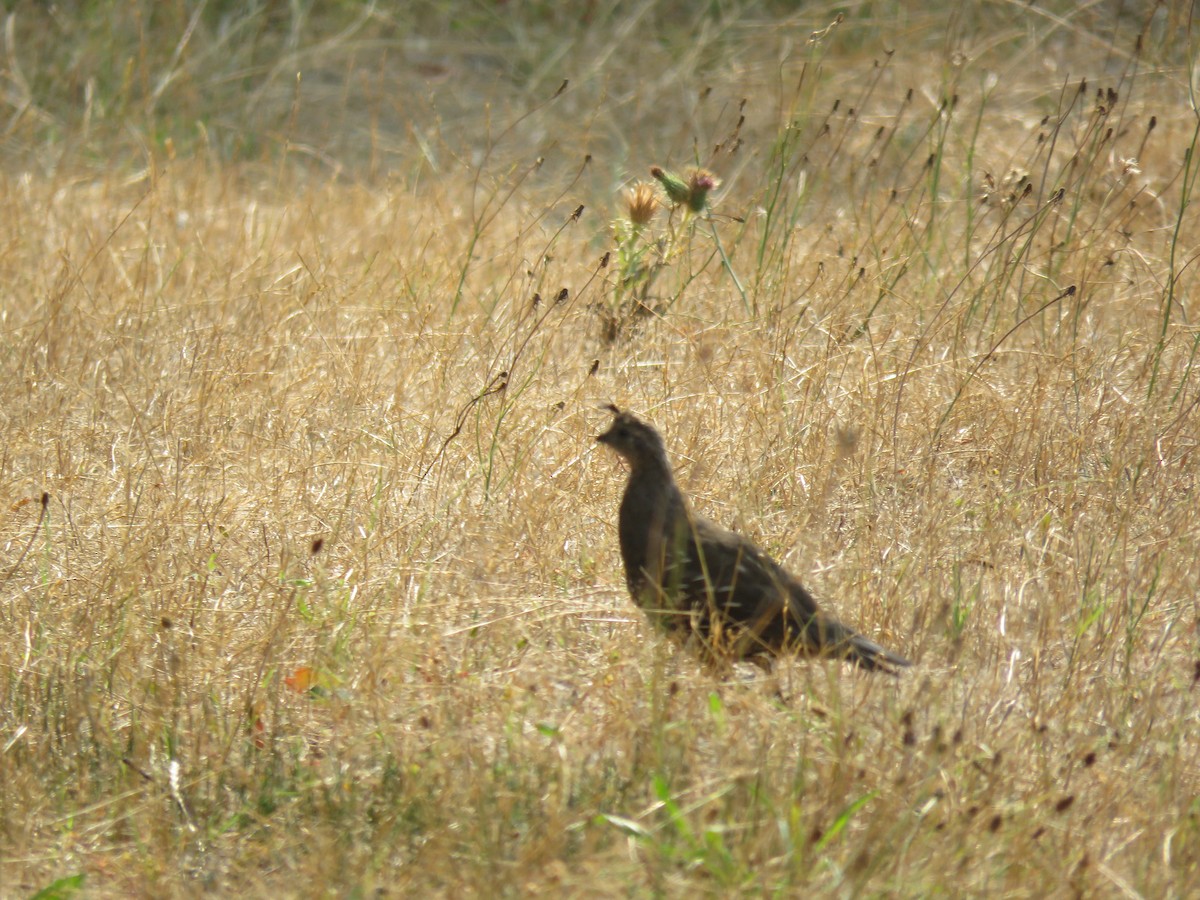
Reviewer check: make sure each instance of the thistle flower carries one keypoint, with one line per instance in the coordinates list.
(693, 192)
(641, 203)
(700, 183)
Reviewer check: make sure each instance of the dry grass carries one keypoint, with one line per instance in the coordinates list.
(326, 600)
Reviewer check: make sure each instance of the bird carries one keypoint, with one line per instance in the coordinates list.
(708, 587)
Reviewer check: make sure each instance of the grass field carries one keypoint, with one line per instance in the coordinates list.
(309, 581)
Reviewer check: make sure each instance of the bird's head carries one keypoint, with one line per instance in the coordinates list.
(636, 441)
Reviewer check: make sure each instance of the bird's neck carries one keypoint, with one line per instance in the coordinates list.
(652, 480)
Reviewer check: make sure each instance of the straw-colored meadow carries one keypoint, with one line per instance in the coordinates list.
(309, 579)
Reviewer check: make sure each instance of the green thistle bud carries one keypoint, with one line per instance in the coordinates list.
(677, 189)
(692, 193)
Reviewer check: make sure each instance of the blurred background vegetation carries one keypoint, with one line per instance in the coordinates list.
(368, 89)
(305, 334)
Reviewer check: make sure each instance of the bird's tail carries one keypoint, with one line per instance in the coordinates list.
(832, 638)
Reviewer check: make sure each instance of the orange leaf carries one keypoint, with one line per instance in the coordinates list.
(302, 680)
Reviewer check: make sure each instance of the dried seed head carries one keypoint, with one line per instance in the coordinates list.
(641, 203)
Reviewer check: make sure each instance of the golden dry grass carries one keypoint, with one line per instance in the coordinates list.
(326, 597)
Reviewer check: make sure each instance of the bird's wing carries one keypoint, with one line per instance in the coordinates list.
(773, 610)
(747, 587)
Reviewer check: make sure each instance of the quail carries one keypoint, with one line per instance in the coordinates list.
(712, 588)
